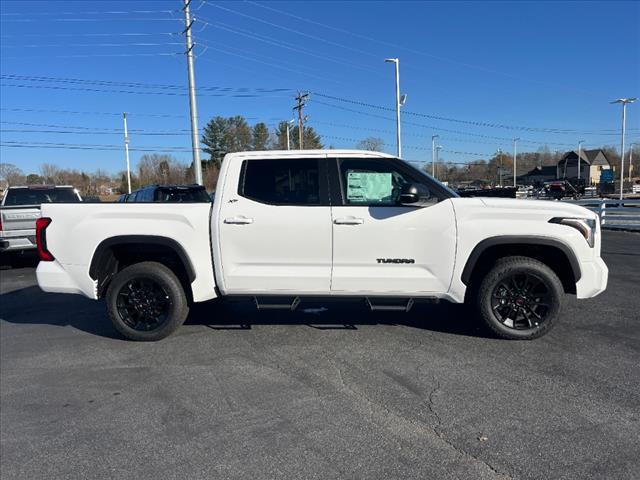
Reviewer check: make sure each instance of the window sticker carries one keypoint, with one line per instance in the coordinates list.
(364, 187)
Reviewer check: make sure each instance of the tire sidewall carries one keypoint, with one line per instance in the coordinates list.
(506, 268)
(164, 277)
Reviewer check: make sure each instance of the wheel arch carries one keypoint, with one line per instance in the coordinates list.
(115, 253)
(553, 252)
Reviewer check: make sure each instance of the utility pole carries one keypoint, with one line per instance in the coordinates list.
(126, 152)
(396, 61)
(301, 100)
(624, 102)
(515, 159)
(195, 145)
(433, 155)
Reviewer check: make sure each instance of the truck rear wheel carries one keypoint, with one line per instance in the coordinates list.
(146, 302)
(520, 298)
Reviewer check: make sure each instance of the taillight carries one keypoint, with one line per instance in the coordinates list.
(41, 239)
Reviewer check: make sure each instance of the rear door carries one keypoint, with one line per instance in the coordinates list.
(274, 226)
(381, 246)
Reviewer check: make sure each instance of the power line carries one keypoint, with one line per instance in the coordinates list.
(449, 119)
(134, 92)
(136, 84)
(133, 44)
(413, 50)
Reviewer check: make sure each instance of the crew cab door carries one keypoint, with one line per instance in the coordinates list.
(381, 246)
(274, 226)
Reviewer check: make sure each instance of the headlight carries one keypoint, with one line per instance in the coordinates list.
(586, 227)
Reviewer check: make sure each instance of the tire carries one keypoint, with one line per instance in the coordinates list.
(519, 299)
(146, 302)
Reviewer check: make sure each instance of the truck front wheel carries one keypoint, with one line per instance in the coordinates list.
(520, 298)
(146, 302)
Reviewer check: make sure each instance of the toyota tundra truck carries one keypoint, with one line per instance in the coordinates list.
(289, 226)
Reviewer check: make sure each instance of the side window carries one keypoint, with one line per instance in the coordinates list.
(281, 182)
(132, 197)
(370, 182)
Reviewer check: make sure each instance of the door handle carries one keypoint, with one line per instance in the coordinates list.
(239, 220)
(348, 221)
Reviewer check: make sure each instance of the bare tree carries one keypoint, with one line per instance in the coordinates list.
(375, 144)
(10, 174)
(51, 173)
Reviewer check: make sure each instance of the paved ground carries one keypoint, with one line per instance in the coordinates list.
(336, 394)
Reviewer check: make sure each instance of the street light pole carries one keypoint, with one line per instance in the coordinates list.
(195, 145)
(579, 156)
(631, 159)
(624, 102)
(515, 159)
(438, 148)
(433, 155)
(396, 61)
(126, 152)
(500, 168)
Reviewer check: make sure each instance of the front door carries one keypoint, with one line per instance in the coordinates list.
(275, 227)
(381, 246)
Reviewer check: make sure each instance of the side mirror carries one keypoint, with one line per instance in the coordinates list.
(409, 194)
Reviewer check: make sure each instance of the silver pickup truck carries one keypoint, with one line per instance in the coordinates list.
(20, 208)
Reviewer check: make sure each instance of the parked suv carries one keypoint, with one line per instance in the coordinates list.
(170, 194)
(20, 208)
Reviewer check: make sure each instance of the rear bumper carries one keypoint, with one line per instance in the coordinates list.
(593, 281)
(52, 277)
(17, 240)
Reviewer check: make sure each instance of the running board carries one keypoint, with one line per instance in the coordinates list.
(276, 303)
(389, 304)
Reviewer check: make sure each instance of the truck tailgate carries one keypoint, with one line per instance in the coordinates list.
(22, 217)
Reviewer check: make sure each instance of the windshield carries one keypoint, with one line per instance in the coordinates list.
(182, 195)
(37, 196)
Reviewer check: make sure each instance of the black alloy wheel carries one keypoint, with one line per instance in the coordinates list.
(147, 301)
(521, 301)
(143, 304)
(519, 298)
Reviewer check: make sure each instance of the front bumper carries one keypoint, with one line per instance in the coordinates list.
(593, 280)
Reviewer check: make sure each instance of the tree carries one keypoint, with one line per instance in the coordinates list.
(34, 179)
(226, 135)
(10, 174)
(51, 173)
(310, 140)
(260, 136)
(160, 169)
(375, 144)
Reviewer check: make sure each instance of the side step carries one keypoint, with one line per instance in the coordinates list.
(276, 302)
(389, 304)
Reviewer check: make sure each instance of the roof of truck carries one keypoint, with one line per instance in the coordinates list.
(309, 153)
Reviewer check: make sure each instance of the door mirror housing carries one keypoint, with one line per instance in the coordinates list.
(409, 194)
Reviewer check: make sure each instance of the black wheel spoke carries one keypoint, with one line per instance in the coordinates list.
(521, 301)
(143, 304)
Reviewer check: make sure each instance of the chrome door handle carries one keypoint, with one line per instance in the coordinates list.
(348, 221)
(239, 220)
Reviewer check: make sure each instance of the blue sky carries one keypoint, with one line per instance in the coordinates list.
(487, 71)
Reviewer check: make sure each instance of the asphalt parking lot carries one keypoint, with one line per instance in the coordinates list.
(338, 393)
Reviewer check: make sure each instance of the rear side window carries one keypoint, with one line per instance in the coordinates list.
(281, 182)
(182, 195)
(38, 196)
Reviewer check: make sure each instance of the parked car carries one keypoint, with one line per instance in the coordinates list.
(287, 226)
(122, 198)
(170, 194)
(20, 208)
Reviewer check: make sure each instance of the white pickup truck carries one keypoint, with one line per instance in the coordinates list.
(286, 226)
